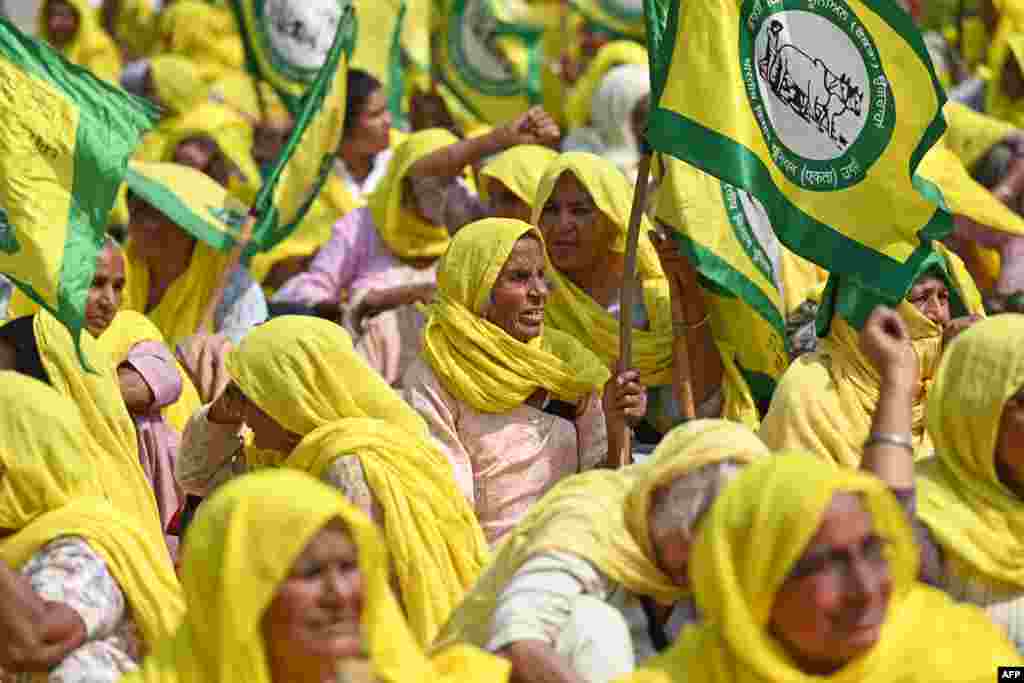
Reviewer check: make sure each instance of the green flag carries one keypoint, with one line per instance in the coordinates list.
(65, 141)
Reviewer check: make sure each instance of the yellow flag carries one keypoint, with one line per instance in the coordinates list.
(822, 109)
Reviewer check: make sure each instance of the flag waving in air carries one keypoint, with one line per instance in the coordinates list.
(65, 141)
(822, 109)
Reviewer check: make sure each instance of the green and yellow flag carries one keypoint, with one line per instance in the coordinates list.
(378, 46)
(300, 47)
(822, 109)
(490, 56)
(65, 141)
(728, 237)
(620, 19)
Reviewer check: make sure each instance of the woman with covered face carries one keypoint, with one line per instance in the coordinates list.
(803, 572)
(516, 405)
(288, 583)
(594, 579)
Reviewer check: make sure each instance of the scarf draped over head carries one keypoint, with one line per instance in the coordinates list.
(242, 546)
(612, 106)
(572, 311)
(48, 491)
(110, 434)
(199, 206)
(972, 514)
(520, 169)
(580, 99)
(177, 83)
(404, 232)
(91, 47)
(231, 131)
(603, 517)
(477, 361)
(825, 400)
(204, 33)
(130, 328)
(745, 549)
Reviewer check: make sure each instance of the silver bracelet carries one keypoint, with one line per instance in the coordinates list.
(889, 440)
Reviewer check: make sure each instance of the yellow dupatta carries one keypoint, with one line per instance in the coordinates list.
(406, 234)
(602, 517)
(971, 513)
(756, 530)
(824, 402)
(231, 131)
(177, 83)
(197, 205)
(91, 47)
(615, 53)
(520, 169)
(206, 34)
(477, 361)
(240, 548)
(437, 546)
(49, 491)
(571, 310)
(110, 428)
(130, 328)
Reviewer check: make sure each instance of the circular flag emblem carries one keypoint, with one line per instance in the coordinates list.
(298, 34)
(815, 82)
(473, 32)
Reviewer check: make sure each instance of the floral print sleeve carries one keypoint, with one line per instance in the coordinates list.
(67, 570)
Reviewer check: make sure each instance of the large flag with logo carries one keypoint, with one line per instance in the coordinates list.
(490, 55)
(65, 141)
(301, 48)
(822, 109)
(728, 237)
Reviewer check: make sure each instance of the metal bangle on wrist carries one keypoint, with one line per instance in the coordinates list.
(886, 439)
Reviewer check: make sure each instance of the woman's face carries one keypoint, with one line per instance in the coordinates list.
(930, 296)
(105, 293)
(149, 230)
(373, 127)
(314, 619)
(195, 152)
(1010, 444)
(573, 227)
(519, 294)
(61, 22)
(505, 203)
(267, 433)
(832, 606)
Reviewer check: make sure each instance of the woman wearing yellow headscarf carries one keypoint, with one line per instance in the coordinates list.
(601, 560)
(72, 28)
(582, 209)
(516, 405)
(509, 181)
(85, 558)
(206, 34)
(174, 84)
(803, 573)
(824, 402)
(314, 405)
(288, 583)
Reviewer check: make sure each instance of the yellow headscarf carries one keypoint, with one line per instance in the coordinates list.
(520, 169)
(406, 234)
(602, 516)
(231, 131)
(48, 491)
(91, 47)
(972, 514)
(477, 361)
(177, 83)
(197, 205)
(571, 310)
(130, 328)
(615, 53)
(240, 548)
(437, 546)
(206, 34)
(238, 91)
(825, 400)
(110, 428)
(756, 530)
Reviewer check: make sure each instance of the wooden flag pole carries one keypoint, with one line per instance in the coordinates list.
(207, 324)
(627, 295)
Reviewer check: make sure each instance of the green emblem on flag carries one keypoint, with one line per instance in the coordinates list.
(297, 36)
(474, 32)
(812, 73)
(8, 240)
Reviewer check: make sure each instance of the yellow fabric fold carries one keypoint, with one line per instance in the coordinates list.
(49, 491)
(520, 169)
(615, 53)
(572, 311)
(177, 83)
(91, 47)
(406, 234)
(973, 515)
(110, 428)
(436, 544)
(756, 530)
(240, 548)
(602, 516)
(130, 328)
(971, 134)
(206, 34)
(477, 361)
(1008, 44)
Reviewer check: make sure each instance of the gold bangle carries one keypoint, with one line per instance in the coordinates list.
(681, 326)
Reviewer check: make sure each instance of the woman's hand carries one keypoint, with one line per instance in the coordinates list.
(955, 326)
(885, 340)
(228, 408)
(624, 400)
(674, 263)
(203, 356)
(534, 127)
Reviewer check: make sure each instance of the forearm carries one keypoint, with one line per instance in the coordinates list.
(137, 395)
(892, 463)
(692, 336)
(34, 635)
(449, 161)
(535, 661)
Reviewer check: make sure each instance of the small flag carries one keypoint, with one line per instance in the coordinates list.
(65, 141)
(822, 109)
